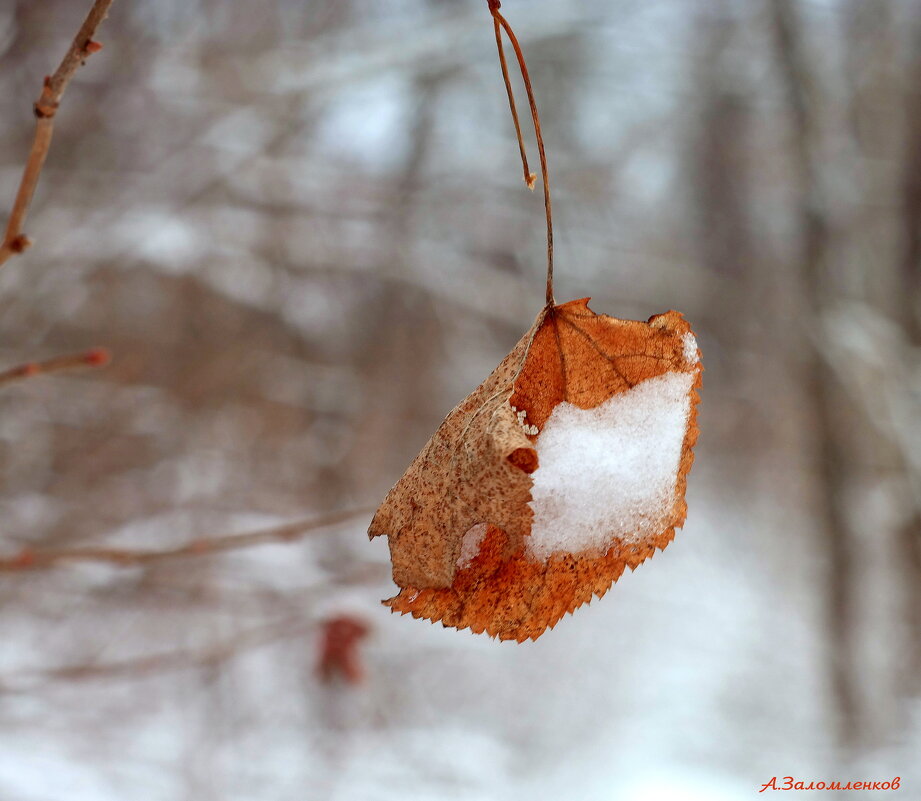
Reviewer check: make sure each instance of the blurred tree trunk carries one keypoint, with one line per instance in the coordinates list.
(720, 182)
(400, 319)
(911, 200)
(824, 394)
(909, 315)
(720, 158)
(876, 98)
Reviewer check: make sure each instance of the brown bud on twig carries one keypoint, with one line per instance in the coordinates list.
(20, 244)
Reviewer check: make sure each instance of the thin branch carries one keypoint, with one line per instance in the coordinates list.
(29, 559)
(97, 357)
(498, 20)
(184, 659)
(83, 46)
(297, 626)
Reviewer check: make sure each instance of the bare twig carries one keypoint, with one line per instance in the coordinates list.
(83, 45)
(183, 659)
(29, 559)
(499, 20)
(97, 357)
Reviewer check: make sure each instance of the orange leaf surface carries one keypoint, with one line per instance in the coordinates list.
(480, 537)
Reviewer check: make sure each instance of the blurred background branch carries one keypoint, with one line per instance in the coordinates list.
(96, 357)
(28, 559)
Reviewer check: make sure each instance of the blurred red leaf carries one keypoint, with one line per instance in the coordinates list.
(340, 658)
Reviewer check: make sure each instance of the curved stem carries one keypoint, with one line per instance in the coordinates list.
(528, 175)
(499, 20)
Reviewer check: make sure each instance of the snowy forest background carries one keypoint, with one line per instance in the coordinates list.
(301, 230)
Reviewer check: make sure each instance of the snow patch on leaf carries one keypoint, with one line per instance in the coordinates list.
(522, 416)
(609, 473)
(470, 545)
(691, 354)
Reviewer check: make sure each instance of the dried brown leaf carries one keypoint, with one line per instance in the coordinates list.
(476, 469)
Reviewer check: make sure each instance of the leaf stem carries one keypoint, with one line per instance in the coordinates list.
(500, 22)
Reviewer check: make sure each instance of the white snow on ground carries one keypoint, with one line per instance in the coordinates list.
(698, 677)
(609, 472)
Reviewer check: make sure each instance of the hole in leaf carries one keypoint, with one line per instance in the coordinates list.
(524, 459)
